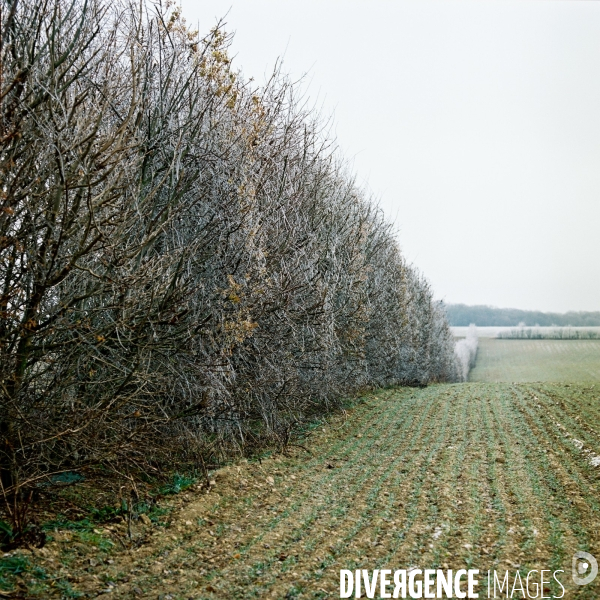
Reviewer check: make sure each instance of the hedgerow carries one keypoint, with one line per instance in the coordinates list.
(186, 264)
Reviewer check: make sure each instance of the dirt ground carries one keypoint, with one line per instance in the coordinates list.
(476, 475)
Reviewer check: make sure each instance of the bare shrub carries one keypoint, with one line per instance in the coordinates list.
(185, 264)
(466, 353)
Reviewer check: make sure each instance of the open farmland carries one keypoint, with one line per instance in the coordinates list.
(537, 360)
(536, 332)
(474, 475)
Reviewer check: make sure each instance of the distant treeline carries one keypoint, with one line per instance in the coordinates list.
(461, 315)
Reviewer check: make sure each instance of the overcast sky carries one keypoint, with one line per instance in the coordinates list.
(476, 124)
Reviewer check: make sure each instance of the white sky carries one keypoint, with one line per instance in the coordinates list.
(476, 123)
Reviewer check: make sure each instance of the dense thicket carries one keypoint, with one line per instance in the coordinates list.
(184, 261)
(462, 315)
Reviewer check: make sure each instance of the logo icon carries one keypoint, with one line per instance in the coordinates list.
(585, 568)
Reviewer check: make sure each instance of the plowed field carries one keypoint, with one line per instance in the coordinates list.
(476, 475)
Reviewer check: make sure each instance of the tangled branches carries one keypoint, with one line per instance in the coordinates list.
(184, 261)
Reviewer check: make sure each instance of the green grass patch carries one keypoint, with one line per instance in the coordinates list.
(537, 360)
(13, 566)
